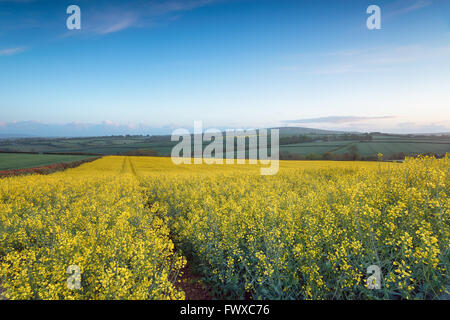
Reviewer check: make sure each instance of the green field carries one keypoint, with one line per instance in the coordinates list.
(391, 147)
(9, 161)
(369, 148)
(98, 145)
(310, 143)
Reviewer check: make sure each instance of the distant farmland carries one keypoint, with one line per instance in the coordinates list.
(9, 161)
(293, 144)
(370, 148)
(99, 145)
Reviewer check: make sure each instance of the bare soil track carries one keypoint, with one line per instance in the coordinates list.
(192, 286)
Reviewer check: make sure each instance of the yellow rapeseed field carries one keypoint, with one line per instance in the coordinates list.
(309, 232)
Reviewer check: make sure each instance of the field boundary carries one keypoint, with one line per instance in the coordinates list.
(45, 169)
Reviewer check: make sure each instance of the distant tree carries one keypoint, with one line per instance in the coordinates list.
(312, 156)
(328, 156)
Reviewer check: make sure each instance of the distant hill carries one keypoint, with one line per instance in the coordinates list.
(302, 130)
(15, 135)
(434, 134)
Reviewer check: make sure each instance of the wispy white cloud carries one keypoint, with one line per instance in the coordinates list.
(139, 14)
(366, 60)
(378, 59)
(411, 6)
(11, 51)
(110, 23)
(104, 17)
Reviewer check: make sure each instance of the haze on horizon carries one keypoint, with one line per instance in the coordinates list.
(155, 65)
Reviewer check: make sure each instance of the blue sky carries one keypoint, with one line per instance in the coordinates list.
(229, 63)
